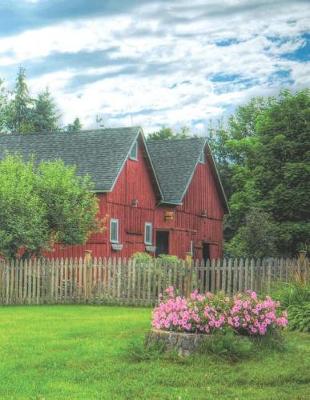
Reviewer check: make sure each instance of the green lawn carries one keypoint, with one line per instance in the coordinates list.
(81, 352)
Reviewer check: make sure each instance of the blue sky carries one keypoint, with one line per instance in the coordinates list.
(155, 62)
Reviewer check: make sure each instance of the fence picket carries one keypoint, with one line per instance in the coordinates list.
(224, 270)
(235, 275)
(213, 275)
(241, 270)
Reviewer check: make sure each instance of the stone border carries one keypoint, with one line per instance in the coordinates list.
(181, 342)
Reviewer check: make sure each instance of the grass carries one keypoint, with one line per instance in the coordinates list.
(81, 352)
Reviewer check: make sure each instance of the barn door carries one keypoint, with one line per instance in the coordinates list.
(206, 252)
(162, 242)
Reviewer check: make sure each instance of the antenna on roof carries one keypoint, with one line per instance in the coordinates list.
(100, 121)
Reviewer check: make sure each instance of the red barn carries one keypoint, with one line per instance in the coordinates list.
(159, 196)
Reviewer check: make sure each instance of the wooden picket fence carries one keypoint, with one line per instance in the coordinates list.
(121, 281)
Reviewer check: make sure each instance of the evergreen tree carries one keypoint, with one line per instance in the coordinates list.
(76, 126)
(168, 133)
(45, 116)
(3, 107)
(20, 109)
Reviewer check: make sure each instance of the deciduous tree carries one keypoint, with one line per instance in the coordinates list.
(43, 204)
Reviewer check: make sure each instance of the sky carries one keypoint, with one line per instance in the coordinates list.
(155, 62)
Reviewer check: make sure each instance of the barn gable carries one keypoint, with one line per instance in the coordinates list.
(175, 162)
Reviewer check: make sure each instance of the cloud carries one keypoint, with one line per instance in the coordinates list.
(157, 62)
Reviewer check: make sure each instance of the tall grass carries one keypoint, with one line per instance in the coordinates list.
(295, 297)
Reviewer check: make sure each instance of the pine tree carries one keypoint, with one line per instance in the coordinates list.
(3, 107)
(76, 126)
(21, 106)
(45, 114)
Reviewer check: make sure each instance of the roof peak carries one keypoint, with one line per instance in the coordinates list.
(200, 138)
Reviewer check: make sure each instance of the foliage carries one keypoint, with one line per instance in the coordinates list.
(168, 133)
(141, 257)
(209, 313)
(20, 108)
(292, 293)
(3, 107)
(71, 207)
(41, 204)
(256, 238)
(169, 259)
(263, 157)
(295, 296)
(138, 351)
(76, 126)
(228, 346)
(22, 211)
(45, 117)
(23, 114)
(299, 317)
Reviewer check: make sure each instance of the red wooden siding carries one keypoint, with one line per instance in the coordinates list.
(136, 182)
(188, 224)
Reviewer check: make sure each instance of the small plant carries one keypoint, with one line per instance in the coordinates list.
(139, 351)
(291, 293)
(295, 296)
(228, 346)
(169, 259)
(141, 257)
(299, 317)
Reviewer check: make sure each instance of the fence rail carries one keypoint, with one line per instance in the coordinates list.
(121, 281)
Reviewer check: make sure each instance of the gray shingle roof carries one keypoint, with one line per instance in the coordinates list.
(175, 162)
(99, 153)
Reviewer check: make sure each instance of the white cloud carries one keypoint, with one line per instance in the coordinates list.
(181, 74)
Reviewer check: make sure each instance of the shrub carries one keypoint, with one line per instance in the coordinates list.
(291, 293)
(251, 316)
(299, 317)
(169, 259)
(141, 257)
(207, 313)
(295, 296)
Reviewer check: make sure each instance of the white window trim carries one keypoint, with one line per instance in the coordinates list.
(113, 220)
(135, 148)
(146, 225)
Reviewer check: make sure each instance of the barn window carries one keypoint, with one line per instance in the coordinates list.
(202, 157)
(148, 233)
(114, 230)
(134, 151)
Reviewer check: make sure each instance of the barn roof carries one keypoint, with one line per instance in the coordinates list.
(100, 153)
(175, 162)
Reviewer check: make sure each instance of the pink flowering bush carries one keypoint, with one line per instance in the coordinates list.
(207, 313)
(251, 316)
